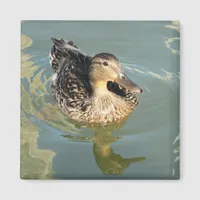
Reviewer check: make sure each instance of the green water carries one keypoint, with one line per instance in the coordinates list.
(146, 146)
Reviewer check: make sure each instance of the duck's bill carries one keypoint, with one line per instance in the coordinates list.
(125, 82)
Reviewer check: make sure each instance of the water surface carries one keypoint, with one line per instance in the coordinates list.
(146, 146)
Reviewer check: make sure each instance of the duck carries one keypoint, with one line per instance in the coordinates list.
(91, 89)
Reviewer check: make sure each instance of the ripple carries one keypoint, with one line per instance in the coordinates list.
(31, 156)
(37, 103)
(167, 77)
(33, 104)
(169, 42)
(176, 150)
(174, 25)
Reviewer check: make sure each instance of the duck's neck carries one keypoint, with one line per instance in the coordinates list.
(101, 93)
(104, 101)
(99, 87)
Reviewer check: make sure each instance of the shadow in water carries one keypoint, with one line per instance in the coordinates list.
(107, 160)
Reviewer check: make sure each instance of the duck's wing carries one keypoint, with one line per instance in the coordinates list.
(67, 49)
(70, 65)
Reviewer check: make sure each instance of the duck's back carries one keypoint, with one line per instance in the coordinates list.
(70, 86)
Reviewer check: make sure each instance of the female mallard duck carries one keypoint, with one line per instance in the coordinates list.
(90, 89)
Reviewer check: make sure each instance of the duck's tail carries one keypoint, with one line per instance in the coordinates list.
(61, 48)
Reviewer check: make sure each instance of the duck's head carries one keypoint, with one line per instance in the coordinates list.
(106, 72)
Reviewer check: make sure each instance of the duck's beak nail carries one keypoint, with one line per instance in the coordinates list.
(134, 88)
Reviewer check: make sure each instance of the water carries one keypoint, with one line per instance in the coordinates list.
(146, 146)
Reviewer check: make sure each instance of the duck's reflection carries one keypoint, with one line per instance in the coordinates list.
(106, 159)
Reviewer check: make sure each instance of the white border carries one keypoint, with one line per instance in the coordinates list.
(185, 11)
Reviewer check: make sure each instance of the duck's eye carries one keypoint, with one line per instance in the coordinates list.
(105, 63)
